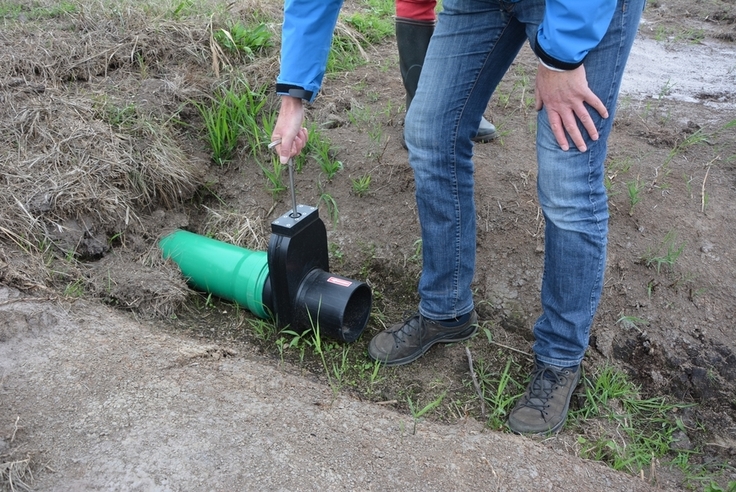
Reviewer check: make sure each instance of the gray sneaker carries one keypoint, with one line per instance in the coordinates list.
(406, 342)
(543, 408)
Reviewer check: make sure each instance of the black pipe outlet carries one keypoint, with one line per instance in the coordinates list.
(303, 294)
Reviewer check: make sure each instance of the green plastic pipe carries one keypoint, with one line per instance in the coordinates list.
(225, 270)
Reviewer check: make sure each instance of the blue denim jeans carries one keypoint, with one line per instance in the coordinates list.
(473, 46)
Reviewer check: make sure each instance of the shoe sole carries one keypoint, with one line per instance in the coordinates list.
(485, 138)
(463, 335)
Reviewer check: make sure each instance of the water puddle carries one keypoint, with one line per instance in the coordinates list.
(702, 73)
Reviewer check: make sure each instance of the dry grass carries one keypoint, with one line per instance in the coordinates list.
(67, 156)
(15, 474)
(237, 229)
(97, 129)
(65, 164)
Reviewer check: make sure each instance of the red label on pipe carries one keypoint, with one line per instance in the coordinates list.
(339, 281)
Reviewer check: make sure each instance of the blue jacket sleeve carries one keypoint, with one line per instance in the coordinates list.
(570, 29)
(306, 37)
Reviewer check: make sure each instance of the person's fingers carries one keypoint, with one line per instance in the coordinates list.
(288, 128)
(305, 132)
(558, 129)
(571, 126)
(285, 150)
(568, 100)
(597, 104)
(284, 145)
(587, 122)
(289, 147)
(583, 113)
(300, 141)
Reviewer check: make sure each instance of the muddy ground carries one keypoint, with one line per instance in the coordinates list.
(666, 317)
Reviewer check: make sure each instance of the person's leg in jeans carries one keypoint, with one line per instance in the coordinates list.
(575, 206)
(472, 47)
(415, 21)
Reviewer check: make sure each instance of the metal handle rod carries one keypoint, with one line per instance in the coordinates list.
(294, 213)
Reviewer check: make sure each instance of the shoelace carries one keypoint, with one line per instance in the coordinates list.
(544, 381)
(407, 323)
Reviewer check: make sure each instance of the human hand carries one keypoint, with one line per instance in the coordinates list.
(289, 129)
(563, 95)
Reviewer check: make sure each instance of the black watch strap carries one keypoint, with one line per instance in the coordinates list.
(294, 91)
